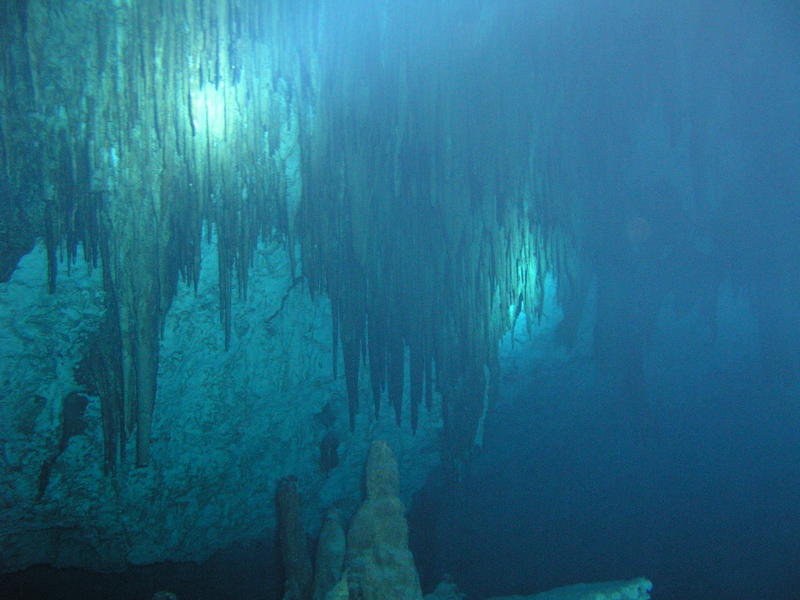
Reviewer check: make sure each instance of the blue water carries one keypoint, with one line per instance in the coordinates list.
(694, 483)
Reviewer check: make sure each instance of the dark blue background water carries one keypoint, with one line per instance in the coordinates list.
(699, 490)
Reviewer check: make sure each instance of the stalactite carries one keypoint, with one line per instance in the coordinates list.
(395, 367)
(101, 374)
(350, 356)
(143, 158)
(376, 348)
(423, 216)
(17, 234)
(441, 225)
(146, 360)
(416, 371)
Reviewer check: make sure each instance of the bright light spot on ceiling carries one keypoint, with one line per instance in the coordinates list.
(208, 110)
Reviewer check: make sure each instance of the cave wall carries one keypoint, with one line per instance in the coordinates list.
(228, 424)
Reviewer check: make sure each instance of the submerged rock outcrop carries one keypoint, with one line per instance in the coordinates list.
(634, 589)
(373, 561)
(378, 564)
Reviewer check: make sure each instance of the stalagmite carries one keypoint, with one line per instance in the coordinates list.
(379, 563)
(296, 557)
(330, 555)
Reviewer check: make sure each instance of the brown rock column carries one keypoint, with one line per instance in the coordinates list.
(294, 550)
(379, 563)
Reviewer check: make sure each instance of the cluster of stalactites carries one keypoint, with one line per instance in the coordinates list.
(132, 127)
(424, 216)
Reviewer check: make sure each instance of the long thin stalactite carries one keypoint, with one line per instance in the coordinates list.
(164, 132)
(424, 212)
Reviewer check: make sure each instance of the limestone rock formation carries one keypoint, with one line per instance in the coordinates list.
(634, 589)
(296, 557)
(329, 559)
(339, 592)
(446, 590)
(379, 562)
(226, 427)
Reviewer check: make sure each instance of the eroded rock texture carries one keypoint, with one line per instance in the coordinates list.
(380, 564)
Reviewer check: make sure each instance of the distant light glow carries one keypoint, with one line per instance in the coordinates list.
(208, 110)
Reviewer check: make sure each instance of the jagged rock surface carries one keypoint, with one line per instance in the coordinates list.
(226, 425)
